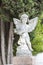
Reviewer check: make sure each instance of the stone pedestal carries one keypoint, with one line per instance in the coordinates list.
(22, 60)
(9, 64)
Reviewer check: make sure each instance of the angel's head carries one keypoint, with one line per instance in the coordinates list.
(24, 18)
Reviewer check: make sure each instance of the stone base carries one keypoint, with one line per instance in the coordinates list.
(9, 64)
(22, 60)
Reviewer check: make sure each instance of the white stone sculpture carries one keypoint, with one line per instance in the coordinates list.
(23, 27)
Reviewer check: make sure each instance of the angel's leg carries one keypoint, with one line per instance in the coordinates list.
(27, 39)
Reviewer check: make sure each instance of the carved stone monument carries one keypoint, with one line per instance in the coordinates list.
(23, 27)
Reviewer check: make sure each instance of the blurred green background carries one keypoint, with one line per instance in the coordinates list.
(33, 8)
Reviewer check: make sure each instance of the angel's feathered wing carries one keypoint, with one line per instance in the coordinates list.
(32, 24)
(19, 26)
(16, 21)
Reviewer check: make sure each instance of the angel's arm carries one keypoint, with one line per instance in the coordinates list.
(17, 32)
(32, 24)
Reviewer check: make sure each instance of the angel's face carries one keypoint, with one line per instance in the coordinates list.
(24, 20)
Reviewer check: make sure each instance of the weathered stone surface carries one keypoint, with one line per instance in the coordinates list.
(28, 60)
(22, 60)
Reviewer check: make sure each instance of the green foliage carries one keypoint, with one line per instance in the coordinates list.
(10, 9)
(13, 8)
(37, 40)
(15, 43)
(15, 49)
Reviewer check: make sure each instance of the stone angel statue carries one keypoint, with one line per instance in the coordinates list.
(23, 27)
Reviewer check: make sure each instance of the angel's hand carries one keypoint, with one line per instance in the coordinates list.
(15, 31)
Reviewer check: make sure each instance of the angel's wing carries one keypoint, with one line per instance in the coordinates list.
(17, 24)
(32, 24)
(16, 21)
(20, 27)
